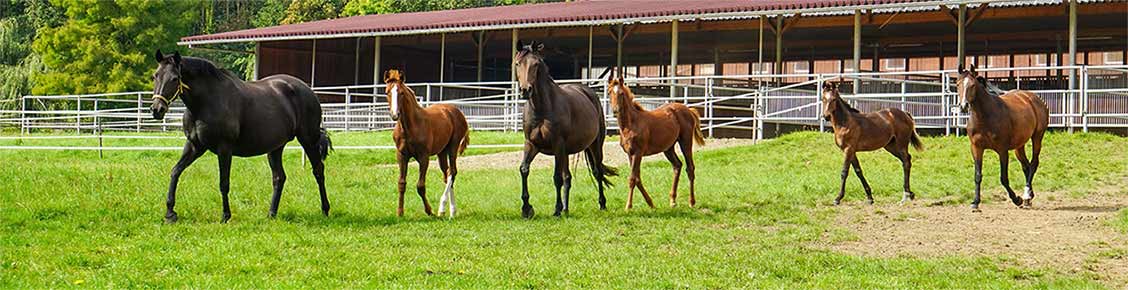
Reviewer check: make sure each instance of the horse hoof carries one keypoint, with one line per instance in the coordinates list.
(673, 204)
(226, 217)
(527, 211)
(1026, 203)
(171, 218)
(869, 201)
(837, 201)
(325, 210)
(1017, 201)
(975, 208)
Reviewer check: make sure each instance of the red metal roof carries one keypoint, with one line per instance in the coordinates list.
(546, 13)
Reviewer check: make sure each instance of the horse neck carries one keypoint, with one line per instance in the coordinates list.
(202, 89)
(628, 110)
(410, 110)
(985, 104)
(841, 114)
(540, 100)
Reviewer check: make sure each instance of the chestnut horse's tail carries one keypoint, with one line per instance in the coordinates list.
(915, 138)
(465, 143)
(698, 137)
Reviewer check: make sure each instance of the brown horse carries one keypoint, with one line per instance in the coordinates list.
(643, 133)
(420, 133)
(855, 131)
(1002, 123)
(558, 121)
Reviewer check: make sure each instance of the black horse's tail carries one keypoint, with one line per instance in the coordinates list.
(324, 144)
(600, 171)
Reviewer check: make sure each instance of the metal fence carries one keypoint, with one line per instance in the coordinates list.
(1097, 97)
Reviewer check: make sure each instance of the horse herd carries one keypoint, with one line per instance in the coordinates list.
(230, 117)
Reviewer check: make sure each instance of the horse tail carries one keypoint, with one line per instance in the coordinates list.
(697, 135)
(324, 144)
(914, 138)
(465, 143)
(600, 171)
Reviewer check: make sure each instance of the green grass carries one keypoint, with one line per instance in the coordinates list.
(71, 217)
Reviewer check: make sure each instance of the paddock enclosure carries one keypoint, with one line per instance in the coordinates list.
(751, 68)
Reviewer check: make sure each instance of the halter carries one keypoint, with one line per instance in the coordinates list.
(180, 89)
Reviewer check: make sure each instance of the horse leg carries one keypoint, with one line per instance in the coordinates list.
(562, 178)
(225, 181)
(977, 154)
(596, 151)
(845, 174)
(530, 154)
(1027, 194)
(446, 178)
(275, 158)
(636, 178)
(902, 153)
(1004, 162)
(189, 155)
(1036, 150)
(677, 165)
(317, 165)
(690, 171)
(401, 160)
(453, 155)
(865, 185)
(421, 186)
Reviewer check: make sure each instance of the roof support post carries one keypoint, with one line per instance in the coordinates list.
(356, 63)
(1072, 58)
(673, 56)
(376, 61)
(779, 45)
(442, 60)
(258, 59)
(857, 61)
(480, 44)
(619, 45)
(513, 53)
(591, 32)
(960, 34)
(313, 64)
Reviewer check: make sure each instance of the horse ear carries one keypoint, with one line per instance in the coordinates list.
(539, 47)
(972, 70)
(520, 45)
(176, 56)
(159, 55)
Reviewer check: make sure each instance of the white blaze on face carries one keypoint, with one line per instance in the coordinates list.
(393, 99)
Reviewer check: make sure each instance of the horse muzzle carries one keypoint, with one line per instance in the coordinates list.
(159, 109)
(394, 116)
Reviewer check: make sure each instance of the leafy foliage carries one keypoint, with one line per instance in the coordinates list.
(105, 46)
(363, 7)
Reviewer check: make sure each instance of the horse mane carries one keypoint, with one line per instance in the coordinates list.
(202, 67)
(847, 106)
(991, 89)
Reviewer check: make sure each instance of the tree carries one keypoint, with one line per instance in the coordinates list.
(18, 22)
(311, 10)
(364, 7)
(107, 46)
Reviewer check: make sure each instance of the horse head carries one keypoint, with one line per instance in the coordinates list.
(529, 65)
(395, 87)
(618, 92)
(831, 97)
(167, 83)
(968, 85)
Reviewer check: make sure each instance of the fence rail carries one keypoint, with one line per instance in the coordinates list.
(1097, 97)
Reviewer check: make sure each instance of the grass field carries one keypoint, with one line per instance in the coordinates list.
(71, 218)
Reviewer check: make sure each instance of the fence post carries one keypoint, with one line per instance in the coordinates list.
(709, 96)
(78, 115)
(904, 90)
(23, 116)
(946, 109)
(96, 127)
(139, 105)
(1084, 99)
(818, 101)
(348, 105)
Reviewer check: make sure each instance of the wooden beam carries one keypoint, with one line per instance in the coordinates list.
(978, 11)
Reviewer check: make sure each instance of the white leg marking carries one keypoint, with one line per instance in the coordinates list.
(443, 201)
(905, 197)
(1028, 194)
(450, 193)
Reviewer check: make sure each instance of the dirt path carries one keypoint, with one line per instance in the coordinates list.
(612, 153)
(1070, 235)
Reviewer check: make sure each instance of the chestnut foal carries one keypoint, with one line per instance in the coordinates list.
(420, 133)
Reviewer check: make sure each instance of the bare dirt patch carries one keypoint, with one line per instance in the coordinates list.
(613, 155)
(1067, 234)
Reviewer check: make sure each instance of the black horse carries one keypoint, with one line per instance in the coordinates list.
(559, 120)
(228, 116)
